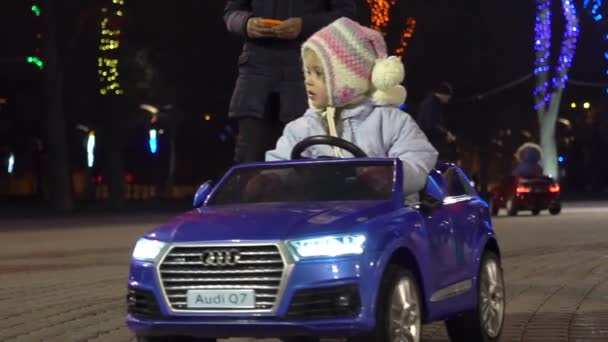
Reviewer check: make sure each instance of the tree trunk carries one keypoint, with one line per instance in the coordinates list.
(59, 185)
(547, 135)
(114, 164)
(172, 156)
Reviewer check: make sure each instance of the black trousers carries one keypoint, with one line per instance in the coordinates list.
(256, 136)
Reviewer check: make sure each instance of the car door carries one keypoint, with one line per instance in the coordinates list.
(466, 211)
(440, 232)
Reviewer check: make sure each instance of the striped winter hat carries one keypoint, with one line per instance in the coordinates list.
(355, 61)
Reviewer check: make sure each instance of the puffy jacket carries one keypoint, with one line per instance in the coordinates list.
(380, 131)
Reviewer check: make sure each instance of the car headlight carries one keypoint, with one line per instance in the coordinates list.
(147, 250)
(329, 246)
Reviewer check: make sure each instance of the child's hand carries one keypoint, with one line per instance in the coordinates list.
(289, 29)
(450, 137)
(256, 28)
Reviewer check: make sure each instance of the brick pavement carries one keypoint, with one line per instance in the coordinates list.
(70, 284)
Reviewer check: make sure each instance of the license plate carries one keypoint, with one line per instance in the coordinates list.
(221, 299)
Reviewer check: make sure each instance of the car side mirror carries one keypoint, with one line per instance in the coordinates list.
(202, 193)
(431, 197)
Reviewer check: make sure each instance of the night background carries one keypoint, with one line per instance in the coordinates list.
(180, 59)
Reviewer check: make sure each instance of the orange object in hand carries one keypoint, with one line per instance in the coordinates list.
(273, 22)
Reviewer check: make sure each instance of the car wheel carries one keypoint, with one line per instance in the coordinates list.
(535, 212)
(398, 315)
(555, 210)
(486, 322)
(511, 208)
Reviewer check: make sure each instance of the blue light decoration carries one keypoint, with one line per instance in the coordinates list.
(542, 45)
(594, 9)
(152, 141)
(11, 163)
(91, 149)
(568, 44)
(561, 159)
(594, 6)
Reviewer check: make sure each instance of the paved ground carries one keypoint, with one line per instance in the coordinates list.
(65, 280)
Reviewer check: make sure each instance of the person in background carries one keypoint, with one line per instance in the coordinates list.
(431, 119)
(269, 90)
(529, 156)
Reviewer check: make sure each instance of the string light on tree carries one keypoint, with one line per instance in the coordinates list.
(36, 10)
(380, 15)
(542, 46)
(548, 95)
(407, 35)
(568, 44)
(380, 18)
(594, 7)
(108, 61)
(35, 59)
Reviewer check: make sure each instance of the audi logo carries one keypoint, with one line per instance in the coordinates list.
(220, 257)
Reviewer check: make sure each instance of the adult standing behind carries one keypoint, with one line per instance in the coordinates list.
(431, 120)
(269, 90)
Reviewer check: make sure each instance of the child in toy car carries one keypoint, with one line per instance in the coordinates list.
(353, 89)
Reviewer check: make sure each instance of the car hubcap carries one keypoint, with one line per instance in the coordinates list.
(404, 313)
(492, 298)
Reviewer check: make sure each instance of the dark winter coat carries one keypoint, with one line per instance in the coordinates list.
(273, 65)
(430, 120)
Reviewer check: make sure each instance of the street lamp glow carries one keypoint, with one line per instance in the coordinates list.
(91, 149)
(586, 105)
(573, 105)
(150, 108)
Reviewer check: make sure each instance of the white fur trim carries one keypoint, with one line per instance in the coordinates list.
(392, 97)
(529, 144)
(387, 73)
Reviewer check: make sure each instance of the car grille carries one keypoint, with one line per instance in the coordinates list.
(142, 303)
(325, 303)
(187, 268)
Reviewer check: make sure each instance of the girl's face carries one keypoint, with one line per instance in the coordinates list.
(314, 80)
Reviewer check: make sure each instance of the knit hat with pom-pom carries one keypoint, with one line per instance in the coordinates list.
(356, 64)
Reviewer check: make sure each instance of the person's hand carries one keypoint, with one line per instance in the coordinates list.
(289, 29)
(257, 29)
(261, 186)
(450, 137)
(378, 178)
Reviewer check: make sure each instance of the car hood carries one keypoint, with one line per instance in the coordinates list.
(258, 222)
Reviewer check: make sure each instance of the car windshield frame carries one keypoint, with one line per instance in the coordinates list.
(218, 196)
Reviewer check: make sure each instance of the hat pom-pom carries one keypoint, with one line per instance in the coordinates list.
(387, 73)
(392, 97)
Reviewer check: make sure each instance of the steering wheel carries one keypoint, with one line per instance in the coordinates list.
(296, 152)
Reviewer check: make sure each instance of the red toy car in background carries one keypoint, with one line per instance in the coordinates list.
(535, 194)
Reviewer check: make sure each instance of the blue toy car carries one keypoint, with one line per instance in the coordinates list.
(305, 249)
